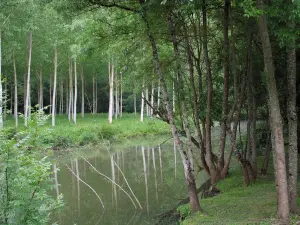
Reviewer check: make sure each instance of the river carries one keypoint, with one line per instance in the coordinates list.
(153, 172)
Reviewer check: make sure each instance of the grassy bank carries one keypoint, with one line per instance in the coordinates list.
(93, 129)
(236, 204)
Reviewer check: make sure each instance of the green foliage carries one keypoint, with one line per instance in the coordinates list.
(25, 177)
(184, 211)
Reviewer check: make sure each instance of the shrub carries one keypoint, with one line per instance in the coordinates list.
(184, 211)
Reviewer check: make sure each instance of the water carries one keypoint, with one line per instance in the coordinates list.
(154, 172)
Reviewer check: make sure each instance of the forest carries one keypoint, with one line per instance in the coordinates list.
(149, 112)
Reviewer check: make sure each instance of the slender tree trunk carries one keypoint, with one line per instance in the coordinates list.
(121, 95)
(222, 140)
(15, 94)
(292, 121)
(1, 91)
(41, 104)
(82, 93)
(67, 98)
(158, 95)
(70, 90)
(50, 94)
(265, 165)
(54, 87)
(208, 147)
(116, 95)
(147, 99)
(27, 108)
(111, 91)
(75, 91)
(96, 98)
(142, 105)
(152, 99)
(5, 99)
(134, 103)
(275, 122)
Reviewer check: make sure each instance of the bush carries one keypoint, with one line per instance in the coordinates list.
(25, 178)
(184, 211)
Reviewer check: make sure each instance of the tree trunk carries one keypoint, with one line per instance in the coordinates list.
(1, 94)
(142, 105)
(70, 90)
(54, 87)
(152, 99)
(111, 91)
(82, 93)
(264, 167)
(121, 95)
(222, 140)
(116, 95)
(27, 108)
(41, 99)
(194, 201)
(208, 147)
(275, 122)
(292, 121)
(15, 94)
(75, 91)
(158, 95)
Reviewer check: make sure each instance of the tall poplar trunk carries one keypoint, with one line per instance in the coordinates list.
(94, 96)
(70, 90)
(27, 107)
(142, 105)
(111, 91)
(292, 120)
(50, 94)
(61, 97)
(275, 121)
(147, 99)
(41, 97)
(15, 94)
(1, 94)
(82, 93)
(75, 92)
(54, 88)
(152, 99)
(158, 95)
(121, 95)
(116, 95)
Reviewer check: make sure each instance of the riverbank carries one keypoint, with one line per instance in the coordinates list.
(93, 129)
(255, 204)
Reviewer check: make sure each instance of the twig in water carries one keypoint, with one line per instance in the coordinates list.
(109, 180)
(128, 185)
(86, 185)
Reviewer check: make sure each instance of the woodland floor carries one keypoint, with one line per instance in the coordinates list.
(93, 129)
(255, 204)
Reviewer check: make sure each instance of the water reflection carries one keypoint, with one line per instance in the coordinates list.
(134, 184)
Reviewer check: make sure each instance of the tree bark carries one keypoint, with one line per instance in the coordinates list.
(82, 93)
(208, 147)
(54, 87)
(111, 91)
(27, 108)
(142, 105)
(275, 122)
(1, 94)
(222, 140)
(41, 97)
(292, 121)
(15, 93)
(75, 92)
(70, 90)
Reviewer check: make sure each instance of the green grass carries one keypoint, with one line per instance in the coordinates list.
(255, 204)
(93, 129)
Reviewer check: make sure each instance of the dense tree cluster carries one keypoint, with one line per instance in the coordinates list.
(187, 62)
